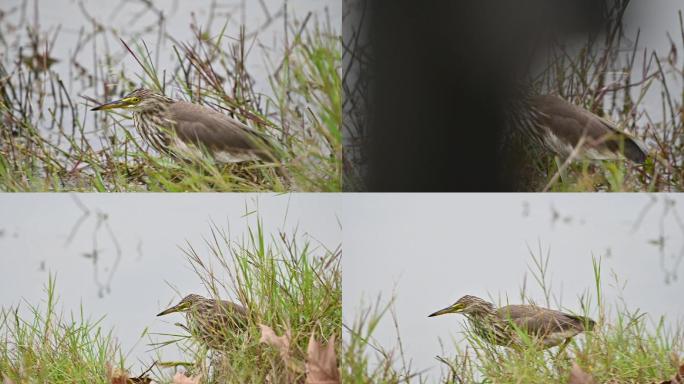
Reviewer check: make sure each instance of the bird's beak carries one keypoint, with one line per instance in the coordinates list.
(175, 308)
(121, 103)
(454, 308)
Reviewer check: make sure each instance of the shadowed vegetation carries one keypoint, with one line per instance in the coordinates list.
(610, 73)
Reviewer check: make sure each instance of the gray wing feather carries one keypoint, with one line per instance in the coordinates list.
(570, 122)
(216, 131)
(539, 321)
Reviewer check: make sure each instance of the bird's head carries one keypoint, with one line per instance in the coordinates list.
(184, 305)
(141, 99)
(467, 305)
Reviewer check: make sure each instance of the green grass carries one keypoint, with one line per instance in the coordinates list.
(287, 282)
(286, 285)
(64, 146)
(49, 347)
(626, 346)
(363, 359)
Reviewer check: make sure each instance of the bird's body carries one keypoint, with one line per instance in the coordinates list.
(557, 125)
(184, 130)
(210, 320)
(501, 326)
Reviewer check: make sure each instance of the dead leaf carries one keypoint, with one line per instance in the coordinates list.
(321, 362)
(578, 376)
(180, 378)
(116, 376)
(679, 377)
(281, 343)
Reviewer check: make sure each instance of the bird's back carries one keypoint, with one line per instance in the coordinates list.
(211, 320)
(550, 325)
(218, 132)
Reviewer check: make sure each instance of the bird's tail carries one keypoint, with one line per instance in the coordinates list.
(634, 150)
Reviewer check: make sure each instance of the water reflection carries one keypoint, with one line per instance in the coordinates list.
(99, 247)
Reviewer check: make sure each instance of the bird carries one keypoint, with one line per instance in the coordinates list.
(210, 319)
(183, 130)
(499, 326)
(557, 125)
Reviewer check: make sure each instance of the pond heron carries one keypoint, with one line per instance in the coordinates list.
(501, 326)
(182, 129)
(210, 319)
(557, 125)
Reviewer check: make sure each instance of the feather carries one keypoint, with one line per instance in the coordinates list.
(217, 132)
(568, 123)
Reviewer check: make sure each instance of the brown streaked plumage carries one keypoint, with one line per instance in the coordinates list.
(557, 125)
(210, 319)
(180, 129)
(499, 326)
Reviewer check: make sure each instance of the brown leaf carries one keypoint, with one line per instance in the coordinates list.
(321, 362)
(180, 378)
(281, 343)
(116, 376)
(578, 376)
(679, 377)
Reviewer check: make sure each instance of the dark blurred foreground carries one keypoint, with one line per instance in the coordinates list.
(429, 81)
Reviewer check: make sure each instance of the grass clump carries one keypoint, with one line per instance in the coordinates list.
(46, 346)
(289, 287)
(382, 365)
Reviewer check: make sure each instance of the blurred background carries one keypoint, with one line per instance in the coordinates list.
(425, 252)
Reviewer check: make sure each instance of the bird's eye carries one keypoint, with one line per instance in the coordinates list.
(135, 99)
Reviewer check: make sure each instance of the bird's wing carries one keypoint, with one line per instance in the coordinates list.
(229, 314)
(570, 122)
(537, 321)
(235, 308)
(216, 131)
